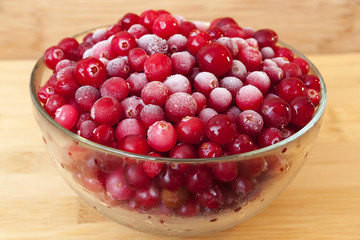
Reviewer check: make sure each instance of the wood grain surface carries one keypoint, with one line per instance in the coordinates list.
(321, 203)
(27, 28)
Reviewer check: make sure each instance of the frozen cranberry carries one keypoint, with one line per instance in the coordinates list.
(63, 64)
(118, 67)
(214, 58)
(112, 30)
(165, 26)
(174, 199)
(106, 110)
(313, 95)
(90, 71)
(233, 30)
(117, 187)
(103, 134)
(205, 82)
(115, 87)
(136, 82)
(249, 97)
(52, 56)
(252, 43)
(102, 50)
(180, 105)
(53, 103)
(86, 96)
(210, 150)
(238, 70)
(129, 126)
(66, 86)
(171, 179)
(265, 37)
(267, 53)
(87, 128)
(225, 171)
(287, 132)
(147, 18)
(128, 20)
(82, 48)
(148, 197)
(274, 72)
(243, 186)
(151, 114)
(250, 57)
(199, 179)
(220, 99)
(220, 22)
(190, 130)
(134, 143)
(230, 44)
(178, 83)
(206, 114)
(276, 112)
(177, 43)
(252, 168)
(161, 136)
(232, 84)
(250, 123)
(312, 81)
(186, 27)
(137, 58)
(182, 63)
(269, 136)
(260, 80)
(158, 67)
(302, 111)
(290, 88)
(82, 118)
(153, 44)
(196, 40)
(66, 116)
(183, 150)
(132, 106)
(138, 30)
(98, 35)
(152, 169)
(233, 112)
(284, 52)
(122, 43)
(200, 100)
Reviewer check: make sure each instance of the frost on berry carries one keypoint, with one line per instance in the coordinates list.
(180, 105)
(153, 44)
(178, 83)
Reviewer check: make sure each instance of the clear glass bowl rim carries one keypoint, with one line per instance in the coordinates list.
(238, 157)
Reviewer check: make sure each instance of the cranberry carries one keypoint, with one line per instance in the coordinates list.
(102, 50)
(215, 32)
(112, 30)
(206, 114)
(196, 40)
(82, 48)
(220, 129)
(69, 46)
(186, 27)
(45, 92)
(117, 187)
(153, 44)
(210, 150)
(147, 18)
(232, 84)
(165, 26)
(155, 93)
(250, 57)
(220, 22)
(128, 20)
(252, 168)
(290, 88)
(250, 123)
(241, 144)
(66, 86)
(230, 44)
(313, 95)
(213, 198)
(135, 176)
(182, 63)
(151, 114)
(157, 67)
(276, 112)
(53, 103)
(233, 112)
(269, 136)
(214, 58)
(302, 111)
(183, 150)
(115, 87)
(238, 70)
(178, 83)
(137, 58)
(220, 99)
(52, 56)
(233, 30)
(312, 81)
(66, 116)
(200, 100)
(103, 134)
(249, 97)
(152, 169)
(161, 136)
(148, 197)
(205, 82)
(130, 126)
(189, 209)
(86, 96)
(190, 130)
(138, 30)
(199, 179)
(177, 43)
(225, 171)
(265, 37)
(171, 179)
(87, 128)
(243, 186)
(136, 82)
(131, 107)
(90, 71)
(303, 64)
(291, 70)
(106, 110)
(122, 43)
(180, 105)
(174, 199)
(284, 52)
(118, 67)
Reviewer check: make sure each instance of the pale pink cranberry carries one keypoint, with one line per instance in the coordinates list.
(102, 49)
(250, 57)
(82, 48)
(220, 129)
(233, 112)
(136, 82)
(190, 130)
(260, 80)
(116, 185)
(186, 27)
(82, 118)
(205, 82)
(271, 69)
(180, 105)
(252, 43)
(225, 171)
(206, 114)
(249, 97)
(290, 88)
(280, 61)
(230, 44)
(182, 63)
(269, 136)
(232, 84)
(158, 67)
(112, 30)
(153, 44)
(220, 99)
(240, 42)
(151, 114)
(199, 179)
(65, 72)
(132, 106)
(137, 58)
(122, 43)
(200, 100)
(161, 136)
(250, 123)
(276, 112)
(106, 110)
(129, 126)
(90, 71)
(177, 43)
(178, 83)
(66, 116)
(138, 30)
(118, 67)
(87, 128)
(155, 92)
(63, 64)
(52, 56)
(267, 53)
(98, 35)
(86, 96)
(135, 144)
(238, 70)
(302, 111)
(197, 39)
(183, 150)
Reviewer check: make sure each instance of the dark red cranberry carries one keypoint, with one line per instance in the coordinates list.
(312, 81)
(213, 198)
(290, 88)
(303, 64)
(112, 30)
(276, 112)
(210, 150)
(186, 27)
(165, 26)
(152, 169)
(87, 128)
(137, 58)
(53, 103)
(243, 186)
(250, 57)
(265, 37)
(52, 56)
(252, 168)
(220, 129)
(90, 71)
(135, 176)
(233, 30)
(198, 179)
(66, 86)
(69, 46)
(241, 144)
(284, 52)
(117, 187)
(171, 179)
(215, 32)
(302, 111)
(220, 22)
(190, 130)
(250, 123)
(148, 197)
(225, 171)
(128, 20)
(134, 143)
(313, 95)
(147, 18)
(269, 136)
(291, 70)
(157, 67)
(196, 40)
(103, 134)
(189, 209)
(183, 150)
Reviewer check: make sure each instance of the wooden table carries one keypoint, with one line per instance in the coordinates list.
(323, 202)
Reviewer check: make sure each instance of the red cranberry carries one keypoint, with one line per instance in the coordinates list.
(45, 92)
(66, 86)
(291, 70)
(252, 168)
(82, 48)
(182, 63)
(161, 136)
(106, 110)
(87, 128)
(118, 67)
(302, 111)
(225, 171)
(69, 46)
(174, 199)
(66, 116)
(241, 144)
(165, 26)
(212, 198)
(90, 71)
(158, 67)
(284, 52)
(171, 179)
(86, 96)
(214, 58)
(112, 30)
(290, 88)
(117, 187)
(206, 114)
(183, 150)
(115, 87)
(103, 134)
(199, 179)
(137, 58)
(313, 95)
(243, 186)
(186, 27)
(151, 114)
(134, 143)
(210, 150)
(250, 123)
(128, 20)
(233, 30)
(312, 81)
(148, 197)
(190, 130)
(196, 40)
(135, 176)
(276, 112)
(122, 43)
(215, 32)
(220, 129)
(52, 56)
(250, 57)
(249, 97)
(200, 100)
(152, 169)
(265, 37)
(303, 64)
(155, 93)
(130, 126)
(189, 209)
(269, 136)
(220, 22)
(180, 105)
(53, 103)
(132, 106)
(147, 18)
(136, 82)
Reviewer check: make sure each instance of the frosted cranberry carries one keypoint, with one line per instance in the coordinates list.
(267, 53)
(249, 97)
(210, 150)
(252, 43)
(147, 18)
(66, 86)
(135, 176)
(115, 87)
(155, 93)
(136, 82)
(190, 130)
(138, 30)
(313, 96)
(52, 56)
(102, 50)
(287, 132)
(129, 126)
(291, 70)
(174, 199)
(233, 30)
(276, 112)
(230, 44)
(199, 179)
(117, 187)
(98, 35)
(178, 83)
(45, 92)
(103, 134)
(260, 80)
(196, 40)
(161, 136)
(285, 52)
(250, 57)
(137, 58)
(215, 32)
(106, 110)
(232, 84)
(250, 123)
(243, 186)
(220, 22)
(183, 150)
(53, 103)
(225, 171)
(165, 26)
(290, 88)
(302, 111)
(63, 64)
(233, 112)
(312, 81)
(205, 82)
(82, 48)
(252, 168)
(171, 179)
(303, 64)
(152, 169)
(265, 37)
(200, 100)
(280, 61)
(87, 128)
(238, 70)
(275, 73)
(220, 99)
(65, 72)
(240, 42)
(66, 116)
(122, 43)
(186, 27)
(214, 58)
(90, 71)
(118, 67)
(82, 118)
(177, 43)
(180, 105)
(151, 114)
(182, 63)
(206, 114)
(86, 96)
(189, 209)
(132, 106)
(242, 143)
(153, 44)
(158, 67)
(128, 20)
(269, 136)
(134, 143)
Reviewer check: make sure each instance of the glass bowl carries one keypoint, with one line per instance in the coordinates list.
(85, 164)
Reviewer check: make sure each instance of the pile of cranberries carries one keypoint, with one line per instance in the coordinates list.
(158, 85)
